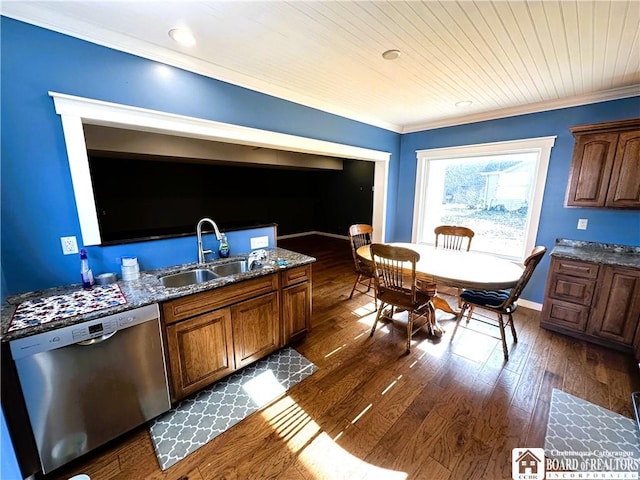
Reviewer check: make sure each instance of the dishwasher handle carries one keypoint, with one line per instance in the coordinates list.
(95, 341)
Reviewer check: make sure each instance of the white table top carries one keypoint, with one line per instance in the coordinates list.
(460, 268)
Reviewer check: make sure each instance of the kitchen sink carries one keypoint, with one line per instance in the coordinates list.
(190, 277)
(199, 275)
(230, 268)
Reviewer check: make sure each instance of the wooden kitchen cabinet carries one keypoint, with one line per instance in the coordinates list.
(200, 352)
(597, 303)
(256, 328)
(204, 343)
(569, 294)
(296, 303)
(616, 312)
(605, 168)
(213, 333)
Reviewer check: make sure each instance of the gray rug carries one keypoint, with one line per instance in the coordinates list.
(207, 414)
(588, 435)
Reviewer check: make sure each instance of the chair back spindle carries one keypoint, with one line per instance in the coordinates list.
(453, 237)
(530, 264)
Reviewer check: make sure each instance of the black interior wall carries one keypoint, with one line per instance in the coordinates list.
(142, 198)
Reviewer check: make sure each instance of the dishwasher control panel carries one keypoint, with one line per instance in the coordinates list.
(96, 328)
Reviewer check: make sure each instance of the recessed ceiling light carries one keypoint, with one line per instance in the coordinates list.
(464, 103)
(391, 54)
(182, 36)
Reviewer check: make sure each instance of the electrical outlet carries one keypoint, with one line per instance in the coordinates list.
(69, 245)
(259, 242)
(582, 223)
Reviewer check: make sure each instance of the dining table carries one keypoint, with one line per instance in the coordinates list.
(457, 268)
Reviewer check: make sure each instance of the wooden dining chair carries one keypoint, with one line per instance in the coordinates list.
(397, 289)
(501, 302)
(453, 237)
(360, 235)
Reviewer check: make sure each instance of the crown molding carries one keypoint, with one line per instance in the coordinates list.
(32, 14)
(596, 97)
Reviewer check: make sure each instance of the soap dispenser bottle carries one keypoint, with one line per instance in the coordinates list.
(224, 246)
(85, 271)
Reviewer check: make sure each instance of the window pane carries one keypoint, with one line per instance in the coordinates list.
(490, 194)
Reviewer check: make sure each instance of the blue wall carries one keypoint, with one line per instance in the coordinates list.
(38, 206)
(9, 469)
(556, 221)
(37, 198)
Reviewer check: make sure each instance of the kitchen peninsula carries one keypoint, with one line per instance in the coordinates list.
(152, 344)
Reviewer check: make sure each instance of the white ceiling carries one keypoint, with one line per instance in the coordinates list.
(507, 57)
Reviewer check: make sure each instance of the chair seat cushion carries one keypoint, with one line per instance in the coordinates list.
(490, 298)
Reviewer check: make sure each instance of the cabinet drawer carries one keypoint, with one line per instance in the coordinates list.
(565, 314)
(198, 303)
(575, 268)
(296, 275)
(571, 289)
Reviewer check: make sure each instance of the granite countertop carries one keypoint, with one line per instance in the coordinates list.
(146, 290)
(602, 253)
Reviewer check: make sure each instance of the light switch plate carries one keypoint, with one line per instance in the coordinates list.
(259, 242)
(582, 223)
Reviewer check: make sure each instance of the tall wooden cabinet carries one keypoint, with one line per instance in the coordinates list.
(594, 302)
(605, 168)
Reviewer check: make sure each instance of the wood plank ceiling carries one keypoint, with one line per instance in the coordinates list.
(506, 57)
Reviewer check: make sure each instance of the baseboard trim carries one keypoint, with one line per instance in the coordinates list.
(529, 304)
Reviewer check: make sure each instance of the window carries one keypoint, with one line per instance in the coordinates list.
(494, 188)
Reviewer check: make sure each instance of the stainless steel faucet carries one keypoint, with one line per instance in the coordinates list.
(255, 258)
(201, 251)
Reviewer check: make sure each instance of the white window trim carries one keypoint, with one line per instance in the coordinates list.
(542, 145)
(75, 111)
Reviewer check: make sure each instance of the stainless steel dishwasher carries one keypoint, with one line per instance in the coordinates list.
(86, 384)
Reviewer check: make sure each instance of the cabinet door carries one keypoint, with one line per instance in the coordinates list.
(200, 351)
(256, 328)
(591, 166)
(296, 311)
(624, 186)
(617, 306)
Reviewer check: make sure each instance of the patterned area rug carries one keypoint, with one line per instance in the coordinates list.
(578, 430)
(199, 419)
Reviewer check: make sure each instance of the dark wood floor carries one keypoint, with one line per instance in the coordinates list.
(446, 411)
